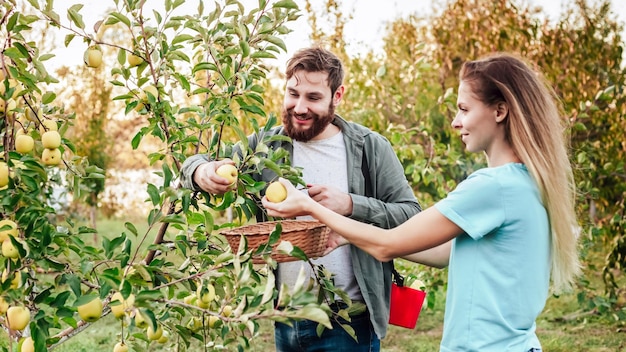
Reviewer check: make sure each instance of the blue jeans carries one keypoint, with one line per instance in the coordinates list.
(302, 337)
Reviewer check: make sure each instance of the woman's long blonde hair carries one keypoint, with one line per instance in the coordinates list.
(534, 130)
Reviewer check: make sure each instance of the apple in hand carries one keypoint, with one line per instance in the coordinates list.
(276, 192)
(229, 172)
(91, 311)
(18, 317)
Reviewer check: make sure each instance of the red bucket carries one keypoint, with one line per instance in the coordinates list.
(406, 305)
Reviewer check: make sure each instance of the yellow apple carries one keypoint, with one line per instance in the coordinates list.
(152, 90)
(17, 279)
(119, 310)
(154, 335)
(10, 105)
(51, 156)
(194, 324)
(32, 115)
(213, 320)
(93, 57)
(9, 250)
(229, 172)
(90, 311)
(48, 125)
(4, 305)
(18, 317)
(191, 299)
(165, 337)
(120, 347)
(7, 231)
(4, 174)
(27, 345)
(51, 139)
(140, 320)
(24, 143)
(134, 60)
(276, 192)
(227, 311)
(206, 293)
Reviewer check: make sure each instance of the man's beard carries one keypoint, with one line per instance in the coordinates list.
(320, 122)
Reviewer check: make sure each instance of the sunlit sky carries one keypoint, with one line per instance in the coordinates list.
(363, 33)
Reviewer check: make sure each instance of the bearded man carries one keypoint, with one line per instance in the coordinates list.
(349, 169)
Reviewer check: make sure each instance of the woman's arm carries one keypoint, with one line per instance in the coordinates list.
(437, 257)
(423, 231)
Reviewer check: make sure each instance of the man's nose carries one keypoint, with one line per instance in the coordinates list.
(300, 107)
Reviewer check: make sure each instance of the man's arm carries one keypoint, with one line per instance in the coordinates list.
(394, 201)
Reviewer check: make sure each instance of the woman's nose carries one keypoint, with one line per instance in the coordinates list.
(456, 122)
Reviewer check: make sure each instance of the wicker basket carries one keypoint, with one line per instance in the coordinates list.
(308, 235)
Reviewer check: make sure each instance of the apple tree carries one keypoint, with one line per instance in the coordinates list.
(192, 77)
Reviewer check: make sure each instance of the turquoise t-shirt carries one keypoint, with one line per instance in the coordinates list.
(499, 269)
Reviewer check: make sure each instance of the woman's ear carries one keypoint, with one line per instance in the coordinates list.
(502, 111)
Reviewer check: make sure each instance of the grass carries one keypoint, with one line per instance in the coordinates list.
(563, 326)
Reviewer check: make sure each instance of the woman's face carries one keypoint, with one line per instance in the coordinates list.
(476, 121)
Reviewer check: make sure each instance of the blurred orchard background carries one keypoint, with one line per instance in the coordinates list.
(111, 218)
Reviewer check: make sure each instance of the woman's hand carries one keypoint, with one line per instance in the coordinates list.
(335, 241)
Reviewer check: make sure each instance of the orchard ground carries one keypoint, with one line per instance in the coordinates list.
(564, 326)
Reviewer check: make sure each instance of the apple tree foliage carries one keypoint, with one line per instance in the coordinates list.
(188, 279)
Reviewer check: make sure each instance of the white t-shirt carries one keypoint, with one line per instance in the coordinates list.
(324, 162)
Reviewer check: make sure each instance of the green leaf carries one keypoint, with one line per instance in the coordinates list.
(76, 17)
(153, 192)
(287, 4)
(118, 17)
(48, 97)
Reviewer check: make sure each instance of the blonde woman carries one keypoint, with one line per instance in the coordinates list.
(505, 230)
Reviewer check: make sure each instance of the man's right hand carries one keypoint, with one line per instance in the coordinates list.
(208, 181)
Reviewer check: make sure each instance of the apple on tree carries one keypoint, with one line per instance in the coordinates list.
(119, 310)
(18, 317)
(51, 139)
(51, 157)
(134, 60)
(91, 311)
(120, 347)
(24, 143)
(9, 250)
(4, 174)
(27, 345)
(4, 305)
(154, 334)
(10, 230)
(93, 56)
